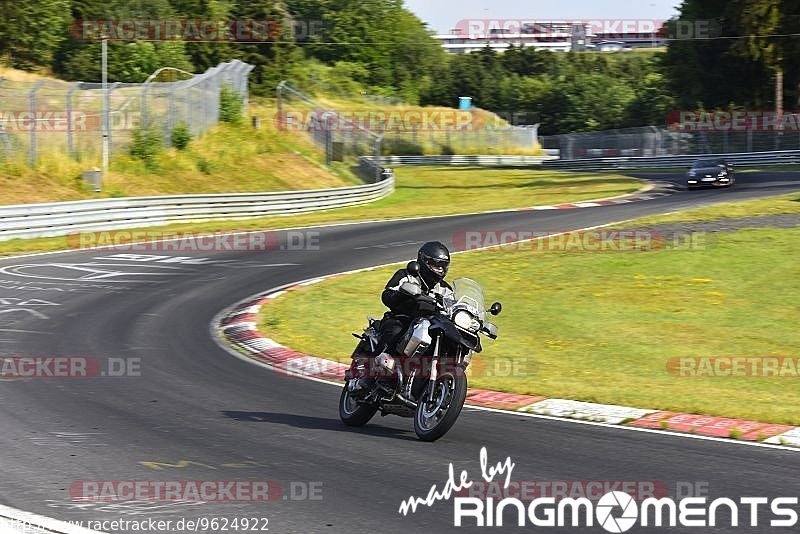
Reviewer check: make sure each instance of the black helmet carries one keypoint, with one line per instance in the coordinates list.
(434, 261)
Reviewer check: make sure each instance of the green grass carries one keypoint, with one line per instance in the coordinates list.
(780, 205)
(601, 327)
(420, 191)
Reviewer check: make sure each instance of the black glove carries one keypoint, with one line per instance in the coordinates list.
(425, 304)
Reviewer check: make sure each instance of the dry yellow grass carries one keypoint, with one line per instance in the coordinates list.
(225, 159)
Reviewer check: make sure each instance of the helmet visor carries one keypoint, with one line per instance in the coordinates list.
(439, 267)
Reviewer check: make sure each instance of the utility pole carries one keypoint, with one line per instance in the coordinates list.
(106, 103)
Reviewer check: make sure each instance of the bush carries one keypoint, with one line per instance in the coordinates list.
(230, 105)
(146, 144)
(181, 136)
(401, 147)
(204, 166)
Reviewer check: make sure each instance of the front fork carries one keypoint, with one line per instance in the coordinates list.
(434, 369)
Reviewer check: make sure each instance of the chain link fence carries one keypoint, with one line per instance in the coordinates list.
(651, 141)
(387, 127)
(342, 140)
(487, 139)
(62, 118)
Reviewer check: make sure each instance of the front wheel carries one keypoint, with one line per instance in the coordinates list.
(434, 419)
(353, 413)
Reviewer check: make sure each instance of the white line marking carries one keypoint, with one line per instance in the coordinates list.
(26, 331)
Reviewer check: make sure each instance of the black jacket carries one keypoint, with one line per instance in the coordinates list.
(398, 302)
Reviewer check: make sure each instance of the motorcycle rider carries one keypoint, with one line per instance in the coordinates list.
(434, 262)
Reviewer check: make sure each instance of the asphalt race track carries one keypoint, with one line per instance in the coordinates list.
(197, 413)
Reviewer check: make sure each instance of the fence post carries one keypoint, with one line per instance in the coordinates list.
(279, 95)
(243, 77)
(143, 118)
(378, 145)
(108, 117)
(170, 115)
(205, 93)
(70, 143)
(34, 123)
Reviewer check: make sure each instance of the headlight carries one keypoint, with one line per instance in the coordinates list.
(465, 320)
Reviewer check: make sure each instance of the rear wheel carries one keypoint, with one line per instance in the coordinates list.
(434, 418)
(353, 413)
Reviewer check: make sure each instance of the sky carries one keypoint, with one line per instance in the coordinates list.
(442, 15)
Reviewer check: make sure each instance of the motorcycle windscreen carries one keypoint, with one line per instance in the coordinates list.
(468, 292)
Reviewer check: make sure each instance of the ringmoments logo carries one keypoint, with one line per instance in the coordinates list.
(618, 511)
(605, 509)
(615, 511)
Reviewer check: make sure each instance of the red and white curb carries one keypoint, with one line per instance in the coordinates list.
(238, 326)
(649, 192)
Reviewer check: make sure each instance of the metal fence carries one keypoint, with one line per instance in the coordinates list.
(50, 116)
(63, 218)
(652, 141)
(465, 160)
(487, 139)
(755, 159)
(342, 140)
(391, 128)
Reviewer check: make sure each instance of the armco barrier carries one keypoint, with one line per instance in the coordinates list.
(479, 160)
(787, 157)
(62, 218)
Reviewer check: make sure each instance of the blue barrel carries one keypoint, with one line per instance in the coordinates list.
(465, 103)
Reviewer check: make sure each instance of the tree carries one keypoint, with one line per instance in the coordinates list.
(272, 58)
(584, 103)
(756, 44)
(205, 55)
(30, 32)
(128, 61)
(652, 103)
(395, 46)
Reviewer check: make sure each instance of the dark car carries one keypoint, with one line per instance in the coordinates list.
(710, 172)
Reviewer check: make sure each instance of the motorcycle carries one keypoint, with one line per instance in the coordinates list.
(427, 381)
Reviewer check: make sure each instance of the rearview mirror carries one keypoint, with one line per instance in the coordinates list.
(413, 268)
(496, 308)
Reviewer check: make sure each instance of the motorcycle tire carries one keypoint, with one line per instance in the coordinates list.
(458, 393)
(352, 413)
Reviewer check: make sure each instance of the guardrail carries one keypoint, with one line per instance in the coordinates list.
(479, 160)
(786, 157)
(62, 218)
